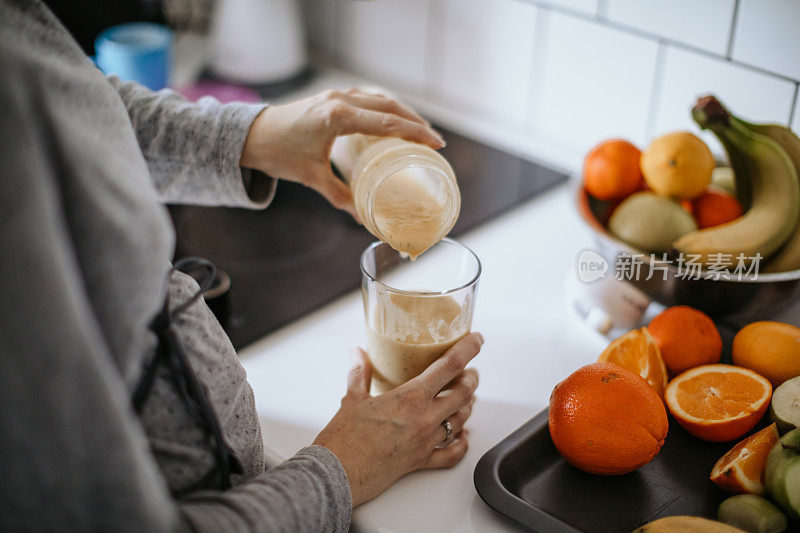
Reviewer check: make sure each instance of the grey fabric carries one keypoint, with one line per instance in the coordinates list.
(83, 270)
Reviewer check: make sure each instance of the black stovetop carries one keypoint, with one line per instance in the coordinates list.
(300, 253)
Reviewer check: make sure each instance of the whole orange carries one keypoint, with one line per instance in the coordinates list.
(611, 170)
(715, 207)
(607, 420)
(686, 338)
(677, 165)
(770, 348)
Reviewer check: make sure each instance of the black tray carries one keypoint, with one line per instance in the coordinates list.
(525, 478)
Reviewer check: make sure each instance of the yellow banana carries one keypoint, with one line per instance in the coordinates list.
(774, 192)
(788, 257)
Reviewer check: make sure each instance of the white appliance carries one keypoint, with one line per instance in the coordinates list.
(257, 41)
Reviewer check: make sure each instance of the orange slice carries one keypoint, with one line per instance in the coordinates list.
(741, 470)
(638, 352)
(718, 403)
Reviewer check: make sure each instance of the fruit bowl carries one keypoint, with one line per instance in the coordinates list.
(734, 302)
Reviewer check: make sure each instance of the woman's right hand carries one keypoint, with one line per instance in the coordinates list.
(379, 439)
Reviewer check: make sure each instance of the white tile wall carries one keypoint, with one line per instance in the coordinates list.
(594, 82)
(583, 69)
(701, 23)
(752, 95)
(486, 57)
(768, 35)
(386, 39)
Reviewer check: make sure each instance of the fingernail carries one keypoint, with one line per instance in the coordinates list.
(480, 337)
(355, 356)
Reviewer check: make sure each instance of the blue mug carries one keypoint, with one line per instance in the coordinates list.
(137, 51)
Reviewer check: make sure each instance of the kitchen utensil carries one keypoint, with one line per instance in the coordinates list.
(137, 51)
(525, 478)
(257, 41)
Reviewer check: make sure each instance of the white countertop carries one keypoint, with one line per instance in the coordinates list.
(533, 340)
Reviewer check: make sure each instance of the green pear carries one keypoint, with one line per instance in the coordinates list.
(783, 474)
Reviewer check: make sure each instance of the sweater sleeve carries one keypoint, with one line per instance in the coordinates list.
(284, 498)
(193, 149)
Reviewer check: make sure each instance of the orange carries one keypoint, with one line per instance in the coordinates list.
(770, 348)
(637, 351)
(606, 420)
(677, 165)
(718, 403)
(715, 207)
(741, 470)
(686, 338)
(611, 170)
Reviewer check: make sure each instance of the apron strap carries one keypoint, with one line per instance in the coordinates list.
(193, 393)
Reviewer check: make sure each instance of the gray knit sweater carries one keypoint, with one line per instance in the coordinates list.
(85, 250)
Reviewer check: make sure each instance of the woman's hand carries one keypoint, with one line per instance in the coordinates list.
(379, 439)
(293, 141)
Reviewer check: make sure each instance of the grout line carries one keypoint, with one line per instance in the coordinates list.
(655, 92)
(434, 46)
(602, 10)
(541, 31)
(732, 32)
(794, 107)
(653, 37)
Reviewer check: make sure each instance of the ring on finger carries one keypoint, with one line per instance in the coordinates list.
(449, 434)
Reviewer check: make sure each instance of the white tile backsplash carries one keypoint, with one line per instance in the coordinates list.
(752, 95)
(386, 39)
(768, 35)
(567, 73)
(593, 82)
(703, 24)
(486, 57)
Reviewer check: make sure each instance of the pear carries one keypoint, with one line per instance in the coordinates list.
(783, 474)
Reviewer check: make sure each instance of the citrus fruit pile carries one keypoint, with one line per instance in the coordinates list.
(610, 417)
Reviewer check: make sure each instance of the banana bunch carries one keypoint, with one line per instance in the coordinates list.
(766, 164)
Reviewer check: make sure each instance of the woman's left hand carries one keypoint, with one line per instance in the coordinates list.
(293, 141)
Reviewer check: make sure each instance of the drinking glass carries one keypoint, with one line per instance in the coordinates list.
(415, 310)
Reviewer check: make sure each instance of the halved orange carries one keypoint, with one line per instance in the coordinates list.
(638, 352)
(741, 470)
(718, 403)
